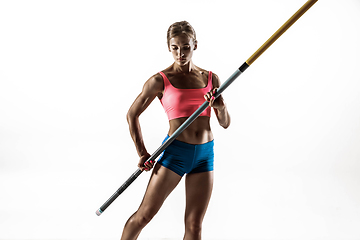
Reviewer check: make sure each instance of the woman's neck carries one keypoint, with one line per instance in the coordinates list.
(185, 68)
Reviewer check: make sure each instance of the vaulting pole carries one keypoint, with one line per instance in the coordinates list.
(237, 73)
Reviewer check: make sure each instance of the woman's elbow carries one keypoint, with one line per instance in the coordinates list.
(226, 124)
(130, 117)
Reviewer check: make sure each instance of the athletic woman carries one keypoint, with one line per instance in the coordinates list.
(181, 88)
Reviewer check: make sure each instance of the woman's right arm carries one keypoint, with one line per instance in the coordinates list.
(152, 88)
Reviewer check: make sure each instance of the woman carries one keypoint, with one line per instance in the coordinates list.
(181, 89)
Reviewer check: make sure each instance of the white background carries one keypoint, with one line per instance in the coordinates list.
(287, 168)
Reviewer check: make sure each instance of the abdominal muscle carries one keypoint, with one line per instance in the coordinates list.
(198, 132)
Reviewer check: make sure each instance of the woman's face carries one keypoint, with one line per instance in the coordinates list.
(182, 48)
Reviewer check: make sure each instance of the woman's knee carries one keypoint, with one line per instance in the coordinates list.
(193, 225)
(144, 216)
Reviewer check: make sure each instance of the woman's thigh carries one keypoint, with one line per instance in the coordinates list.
(161, 184)
(198, 192)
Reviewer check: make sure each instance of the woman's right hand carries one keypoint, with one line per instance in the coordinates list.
(143, 165)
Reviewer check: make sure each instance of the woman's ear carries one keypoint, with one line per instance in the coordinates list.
(195, 45)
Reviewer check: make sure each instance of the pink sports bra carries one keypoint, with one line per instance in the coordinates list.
(179, 103)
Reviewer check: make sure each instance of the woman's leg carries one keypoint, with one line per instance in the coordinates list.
(161, 184)
(198, 191)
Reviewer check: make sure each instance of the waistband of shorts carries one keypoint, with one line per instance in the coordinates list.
(189, 145)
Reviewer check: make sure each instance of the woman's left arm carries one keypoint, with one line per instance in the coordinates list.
(218, 104)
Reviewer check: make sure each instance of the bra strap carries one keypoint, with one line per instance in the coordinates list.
(166, 80)
(210, 79)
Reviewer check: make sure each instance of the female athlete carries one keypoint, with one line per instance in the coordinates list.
(181, 89)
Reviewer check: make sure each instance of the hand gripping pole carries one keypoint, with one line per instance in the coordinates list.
(222, 88)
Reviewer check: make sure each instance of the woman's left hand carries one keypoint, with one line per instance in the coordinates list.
(217, 103)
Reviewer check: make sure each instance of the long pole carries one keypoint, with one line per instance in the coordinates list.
(222, 88)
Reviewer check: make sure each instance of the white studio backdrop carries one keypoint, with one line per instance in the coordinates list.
(287, 168)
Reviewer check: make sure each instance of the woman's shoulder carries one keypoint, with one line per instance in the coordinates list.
(207, 72)
(157, 77)
(214, 78)
(155, 82)
(167, 70)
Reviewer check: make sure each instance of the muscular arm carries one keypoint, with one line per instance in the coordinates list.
(218, 104)
(151, 89)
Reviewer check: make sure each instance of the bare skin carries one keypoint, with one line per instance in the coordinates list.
(181, 74)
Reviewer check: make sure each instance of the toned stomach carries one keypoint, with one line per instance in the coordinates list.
(198, 132)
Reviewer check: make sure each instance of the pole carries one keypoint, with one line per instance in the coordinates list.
(222, 88)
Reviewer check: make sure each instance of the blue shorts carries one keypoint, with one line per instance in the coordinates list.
(181, 157)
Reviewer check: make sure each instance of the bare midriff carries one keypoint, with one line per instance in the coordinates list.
(198, 132)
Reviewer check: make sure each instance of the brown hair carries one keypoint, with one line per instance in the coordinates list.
(179, 28)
